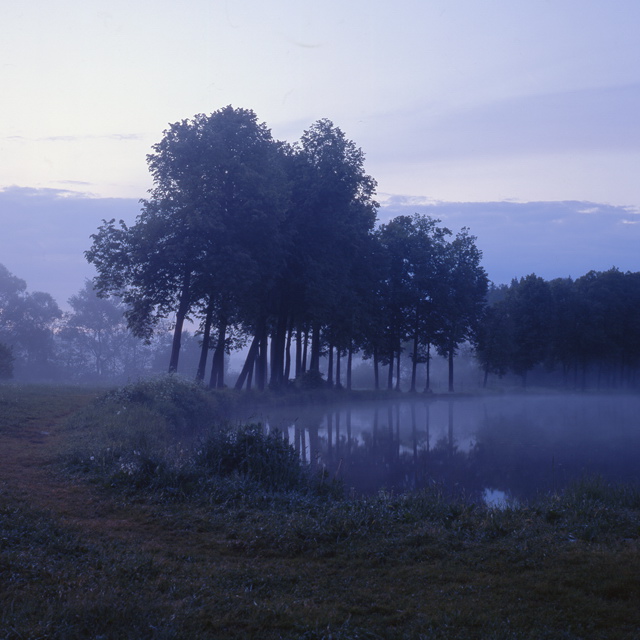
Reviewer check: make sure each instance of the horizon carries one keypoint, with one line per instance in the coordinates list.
(518, 121)
(550, 239)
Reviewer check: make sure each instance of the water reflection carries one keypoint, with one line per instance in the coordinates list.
(496, 448)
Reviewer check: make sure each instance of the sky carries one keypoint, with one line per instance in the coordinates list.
(518, 119)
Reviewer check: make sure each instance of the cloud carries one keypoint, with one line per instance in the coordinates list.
(562, 122)
(551, 239)
(46, 231)
(117, 137)
(85, 137)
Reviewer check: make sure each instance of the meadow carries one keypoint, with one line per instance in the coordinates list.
(141, 513)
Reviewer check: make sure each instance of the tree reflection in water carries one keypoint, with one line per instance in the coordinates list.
(518, 446)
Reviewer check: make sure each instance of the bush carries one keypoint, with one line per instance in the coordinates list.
(184, 405)
(266, 458)
(310, 380)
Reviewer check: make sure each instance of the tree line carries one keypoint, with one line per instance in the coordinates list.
(584, 331)
(89, 343)
(274, 247)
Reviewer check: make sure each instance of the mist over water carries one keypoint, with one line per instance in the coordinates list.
(490, 448)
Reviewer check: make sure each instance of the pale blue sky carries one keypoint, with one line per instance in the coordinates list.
(452, 101)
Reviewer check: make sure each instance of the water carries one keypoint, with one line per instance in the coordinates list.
(497, 449)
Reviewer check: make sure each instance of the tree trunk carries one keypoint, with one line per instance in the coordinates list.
(349, 363)
(183, 307)
(398, 372)
(303, 368)
(376, 370)
(206, 337)
(414, 364)
(338, 380)
(251, 370)
(450, 354)
(427, 384)
(314, 365)
(247, 369)
(262, 363)
(287, 354)
(330, 367)
(298, 350)
(278, 342)
(217, 363)
(390, 373)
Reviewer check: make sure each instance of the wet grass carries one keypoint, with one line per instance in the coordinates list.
(226, 536)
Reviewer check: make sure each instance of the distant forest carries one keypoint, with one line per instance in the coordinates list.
(273, 248)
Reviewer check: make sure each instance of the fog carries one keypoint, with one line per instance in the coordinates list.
(495, 447)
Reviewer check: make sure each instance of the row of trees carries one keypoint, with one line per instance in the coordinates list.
(274, 248)
(89, 343)
(587, 330)
(26, 320)
(265, 244)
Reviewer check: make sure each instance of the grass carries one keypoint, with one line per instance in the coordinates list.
(227, 536)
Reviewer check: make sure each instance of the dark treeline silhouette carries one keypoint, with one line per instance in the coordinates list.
(90, 343)
(274, 247)
(585, 330)
(26, 325)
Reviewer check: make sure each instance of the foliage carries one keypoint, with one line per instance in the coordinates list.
(6, 362)
(584, 327)
(252, 453)
(183, 405)
(310, 380)
(168, 436)
(27, 322)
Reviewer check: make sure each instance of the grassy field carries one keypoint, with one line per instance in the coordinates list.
(117, 520)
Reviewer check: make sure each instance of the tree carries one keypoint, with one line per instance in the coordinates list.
(27, 325)
(494, 340)
(97, 341)
(529, 302)
(213, 212)
(608, 323)
(6, 362)
(460, 309)
(325, 234)
(566, 319)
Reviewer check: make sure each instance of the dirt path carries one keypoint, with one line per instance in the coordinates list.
(29, 446)
(29, 443)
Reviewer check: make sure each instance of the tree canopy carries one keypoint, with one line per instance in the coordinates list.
(579, 328)
(256, 239)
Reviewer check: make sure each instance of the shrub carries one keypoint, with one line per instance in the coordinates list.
(310, 380)
(266, 458)
(186, 406)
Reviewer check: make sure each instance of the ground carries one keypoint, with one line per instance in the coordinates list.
(78, 560)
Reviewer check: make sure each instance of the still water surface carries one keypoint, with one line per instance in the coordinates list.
(492, 448)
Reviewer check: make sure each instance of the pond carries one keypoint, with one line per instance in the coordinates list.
(498, 448)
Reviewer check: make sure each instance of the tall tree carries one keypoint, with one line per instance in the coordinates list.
(529, 301)
(465, 287)
(327, 229)
(27, 323)
(213, 211)
(96, 339)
